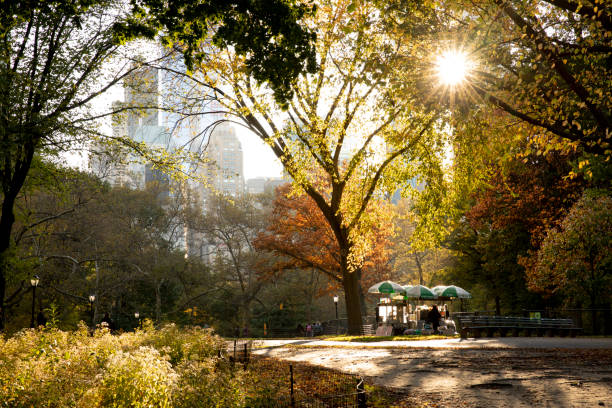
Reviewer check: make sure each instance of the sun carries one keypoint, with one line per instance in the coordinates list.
(452, 67)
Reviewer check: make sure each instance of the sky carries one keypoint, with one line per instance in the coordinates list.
(258, 159)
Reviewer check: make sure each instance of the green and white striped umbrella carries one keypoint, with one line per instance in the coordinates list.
(452, 291)
(420, 292)
(386, 287)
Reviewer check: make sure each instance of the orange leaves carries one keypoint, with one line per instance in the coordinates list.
(302, 238)
(535, 194)
(300, 235)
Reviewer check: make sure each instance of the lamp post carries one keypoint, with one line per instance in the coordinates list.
(336, 304)
(137, 316)
(92, 299)
(34, 282)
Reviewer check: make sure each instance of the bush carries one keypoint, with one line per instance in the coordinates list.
(138, 379)
(148, 368)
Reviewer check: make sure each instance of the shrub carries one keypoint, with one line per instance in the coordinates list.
(137, 379)
(149, 368)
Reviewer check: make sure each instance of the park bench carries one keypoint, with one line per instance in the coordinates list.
(476, 325)
(368, 330)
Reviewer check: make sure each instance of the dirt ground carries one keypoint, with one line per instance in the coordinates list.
(473, 377)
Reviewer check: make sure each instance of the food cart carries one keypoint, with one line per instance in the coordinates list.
(406, 313)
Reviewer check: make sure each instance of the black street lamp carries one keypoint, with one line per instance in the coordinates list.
(336, 303)
(137, 316)
(34, 282)
(92, 299)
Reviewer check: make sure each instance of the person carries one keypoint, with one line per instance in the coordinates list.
(309, 330)
(300, 330)
(433, 317)
(109, 322)
(41, 320)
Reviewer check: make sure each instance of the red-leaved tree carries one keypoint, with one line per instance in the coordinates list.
(300, 236)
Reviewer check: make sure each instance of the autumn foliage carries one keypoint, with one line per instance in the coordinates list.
(535, 195)
(301, 237)
(577, 256)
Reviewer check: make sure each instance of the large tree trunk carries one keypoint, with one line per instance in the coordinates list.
(6, 226)
(352, 295)
(11, 186)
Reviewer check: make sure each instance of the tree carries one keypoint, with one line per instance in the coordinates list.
(229, 227)
(414, 260)
(277, 48)
(300, 237)
(82, 238)
(506, 217)
(544, 62)
(350, 132)
(54, 52)
(576, 258)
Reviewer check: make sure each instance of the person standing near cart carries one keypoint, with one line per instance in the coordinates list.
(433, 317)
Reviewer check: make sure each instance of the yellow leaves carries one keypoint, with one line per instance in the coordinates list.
(582, 163)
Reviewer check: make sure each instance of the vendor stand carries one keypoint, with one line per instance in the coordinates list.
(399, 312)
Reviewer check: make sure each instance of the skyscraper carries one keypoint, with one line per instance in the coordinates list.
(224, 171)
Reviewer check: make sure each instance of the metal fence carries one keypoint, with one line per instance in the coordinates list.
(354, 400)
(239, 351)
(328, 327)
(596, 321)
(298, 385)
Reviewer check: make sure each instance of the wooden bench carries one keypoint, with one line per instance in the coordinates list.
(368, 330)
(476, 325)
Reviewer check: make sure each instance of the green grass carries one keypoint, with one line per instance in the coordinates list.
(371, 339)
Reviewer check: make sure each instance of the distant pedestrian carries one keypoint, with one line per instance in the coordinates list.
(309, 330)
(41, 320)
(108, 322)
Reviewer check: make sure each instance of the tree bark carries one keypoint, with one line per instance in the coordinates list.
(158, 301)
(11, 186)
(352, 295)
(6, 226)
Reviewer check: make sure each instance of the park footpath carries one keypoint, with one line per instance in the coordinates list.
(456, 343)
(483, 372)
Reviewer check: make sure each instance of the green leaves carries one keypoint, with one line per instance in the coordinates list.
(576, 258)
(270, 34)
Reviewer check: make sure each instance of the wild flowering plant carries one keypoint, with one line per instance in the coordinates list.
(167, 367)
